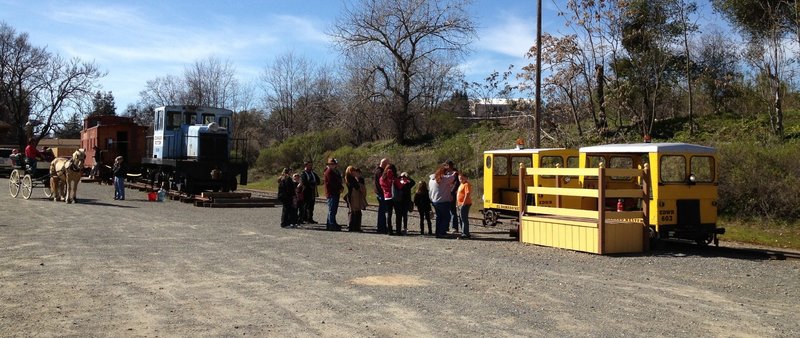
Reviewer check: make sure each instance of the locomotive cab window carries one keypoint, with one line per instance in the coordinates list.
(159, 124)
(173, 120)
(672, 169)
(189, 118)
(225, 122)
(702, 167)
(208, 118)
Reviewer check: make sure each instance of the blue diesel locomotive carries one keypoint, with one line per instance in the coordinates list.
(193, 149)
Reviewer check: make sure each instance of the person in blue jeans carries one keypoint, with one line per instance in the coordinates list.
(333, 189)
(120, 172)
(382, 229)
(440, 187)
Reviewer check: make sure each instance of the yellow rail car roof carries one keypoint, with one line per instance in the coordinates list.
(523, 151)
(649, 148)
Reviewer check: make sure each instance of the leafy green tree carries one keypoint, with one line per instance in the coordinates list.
(103, 104)
(766, 24)
(649, 31)
(71, 129)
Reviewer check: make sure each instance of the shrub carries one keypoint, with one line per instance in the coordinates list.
(294, 151)
(760, 181)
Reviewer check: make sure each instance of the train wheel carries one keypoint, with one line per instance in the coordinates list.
(14, 183)
(489, 218)
(705, 242)
(27, 186)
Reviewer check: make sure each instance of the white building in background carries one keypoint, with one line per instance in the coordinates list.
(496, 107)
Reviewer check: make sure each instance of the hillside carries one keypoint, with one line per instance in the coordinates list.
(759, 198)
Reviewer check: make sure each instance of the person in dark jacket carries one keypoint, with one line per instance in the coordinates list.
(404, 204)
(310, 181)
(286, 194)
(120, 173)
(423, 203)
(333, 191)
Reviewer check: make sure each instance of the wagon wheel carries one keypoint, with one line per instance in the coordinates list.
(47, 192)
(13, 183)
(27, 186)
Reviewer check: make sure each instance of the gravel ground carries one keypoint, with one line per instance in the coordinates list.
(136, 268)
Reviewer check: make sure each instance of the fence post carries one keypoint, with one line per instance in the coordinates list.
(601, 208)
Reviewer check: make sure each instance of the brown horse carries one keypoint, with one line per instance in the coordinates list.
(68, 170)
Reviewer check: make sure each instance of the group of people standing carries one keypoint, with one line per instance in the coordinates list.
(448, 192)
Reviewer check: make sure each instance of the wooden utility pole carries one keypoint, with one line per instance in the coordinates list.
(538, 115)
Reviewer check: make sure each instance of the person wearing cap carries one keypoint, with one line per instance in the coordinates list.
(32, 154)
(333, 189)
(120, 172)
(377, 174)
(286, 194)
(310, 181)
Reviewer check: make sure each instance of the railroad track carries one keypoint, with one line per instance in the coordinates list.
(680, 249)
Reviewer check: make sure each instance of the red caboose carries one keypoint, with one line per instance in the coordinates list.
(114, 136)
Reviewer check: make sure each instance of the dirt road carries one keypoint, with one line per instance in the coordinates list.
(136, 268)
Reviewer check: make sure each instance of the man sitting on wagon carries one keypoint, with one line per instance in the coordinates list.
(32, 154)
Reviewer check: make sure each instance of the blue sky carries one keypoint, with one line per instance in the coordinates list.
(135, 41)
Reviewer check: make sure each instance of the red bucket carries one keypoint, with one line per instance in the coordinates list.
(152, 196)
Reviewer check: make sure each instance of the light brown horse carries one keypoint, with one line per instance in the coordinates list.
(68, 170)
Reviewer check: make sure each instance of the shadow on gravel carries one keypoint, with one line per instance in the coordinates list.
(104, 204)
(677, 249)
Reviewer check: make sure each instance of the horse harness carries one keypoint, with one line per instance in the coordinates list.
(70, 165)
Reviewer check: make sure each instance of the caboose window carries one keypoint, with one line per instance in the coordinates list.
(703, 168)
(672, 169)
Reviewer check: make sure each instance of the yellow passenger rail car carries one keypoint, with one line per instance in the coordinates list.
(681, 180)
(501, 180)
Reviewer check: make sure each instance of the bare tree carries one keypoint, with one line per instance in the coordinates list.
(211, 82)
(403, 37)
(286, 82)
(164, 91)
(38, 86)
